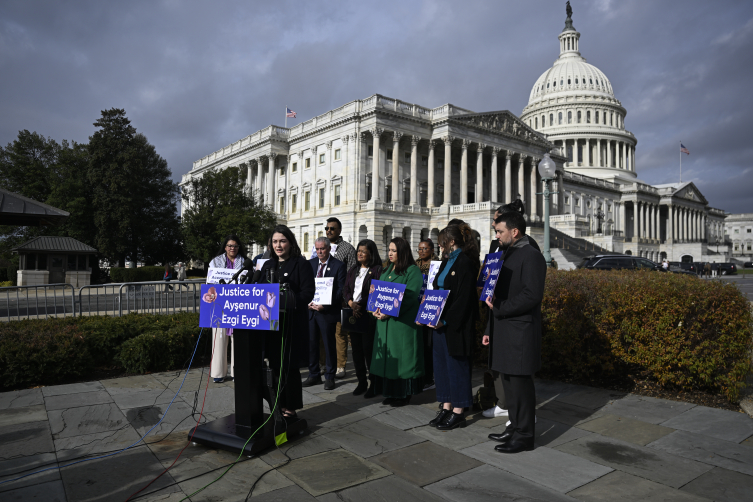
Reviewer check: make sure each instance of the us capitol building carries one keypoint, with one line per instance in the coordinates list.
(388, 168)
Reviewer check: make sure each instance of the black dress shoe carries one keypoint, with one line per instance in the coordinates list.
(453, 421)
(370, 393)
(396, 403)
(387, 401)
(360, 388)
(514, 446)
(329, 384)
(501, 438)
(441, 416)
(311, 381)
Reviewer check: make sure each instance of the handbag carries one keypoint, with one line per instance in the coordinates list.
(351, 323)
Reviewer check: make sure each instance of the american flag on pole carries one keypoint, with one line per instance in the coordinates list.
(683, 149)
(289, 113)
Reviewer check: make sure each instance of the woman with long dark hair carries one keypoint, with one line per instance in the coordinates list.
(355, 296)
(287, 349)
(233, 256)
(398, 360)
(453, 338)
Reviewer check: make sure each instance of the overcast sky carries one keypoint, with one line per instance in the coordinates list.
(197, 76)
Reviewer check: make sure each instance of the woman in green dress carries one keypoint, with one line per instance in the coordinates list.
(398, 358)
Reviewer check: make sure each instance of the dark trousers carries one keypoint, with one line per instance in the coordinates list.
(499, 389)
(453, 376)
(428, 354)
(363, 348)
(320, 327)
(521, 405)
(291, 388)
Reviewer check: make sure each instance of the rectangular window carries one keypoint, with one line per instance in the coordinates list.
(371, 150)
(407, 157)
(567, 199)
(320, 234)
(321, 158)
(282, 204)
(306, 242)
(337, 154)
(321, 198)
(42, 261)
(294, 203)
(282, 171)
(389, 154)
(748, 230)
(737, 230)
(295, 167)
(424, 160)
(577, 202)
(71, 262)
(308, 163)
(31, 261)
(307, 201)
(337, 195)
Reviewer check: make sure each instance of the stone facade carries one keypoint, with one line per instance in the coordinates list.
(738, 230)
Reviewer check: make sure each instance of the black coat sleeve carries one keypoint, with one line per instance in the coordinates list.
(532, 278)
(306, 284)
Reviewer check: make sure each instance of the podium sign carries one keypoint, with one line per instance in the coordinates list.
(244, 306)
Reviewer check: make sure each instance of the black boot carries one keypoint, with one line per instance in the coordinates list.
(361, 387)
(453, 421)
(441, 416)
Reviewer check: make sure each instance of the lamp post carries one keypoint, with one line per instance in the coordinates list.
(599, 217)
(547, 171)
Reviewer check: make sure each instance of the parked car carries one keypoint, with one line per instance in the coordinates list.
(618, 262)
(725, 268)
(684, 265)
(748, 264)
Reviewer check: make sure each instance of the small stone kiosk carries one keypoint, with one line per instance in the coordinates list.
(54, 260)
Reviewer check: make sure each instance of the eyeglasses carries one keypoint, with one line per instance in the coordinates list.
(330, 228)
(232, 247)
(423, 249)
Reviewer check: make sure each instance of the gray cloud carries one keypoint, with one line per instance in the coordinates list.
(196, 76)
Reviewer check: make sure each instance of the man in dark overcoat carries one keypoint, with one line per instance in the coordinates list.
(514, 330)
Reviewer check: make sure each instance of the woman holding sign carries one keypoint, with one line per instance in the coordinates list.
(454, 333)
(233, 256)
(360, 325)
(398, 360)
(288, 349)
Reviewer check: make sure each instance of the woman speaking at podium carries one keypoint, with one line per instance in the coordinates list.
(232, 256)
(287, 267)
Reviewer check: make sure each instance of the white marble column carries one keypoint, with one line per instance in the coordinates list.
(348, 168)
(657, 222)
(250, 177)
(619, 206)
(609, 154)
(414, 199)
(534, 189)
(560, 192)
(430, 175)
(522, 179)
(464, 172)
(636, 216)
(376, 132)
(259, 171)
(396, 199)
(598, 153)
(508, 176)
(270, 199)
(478, 195)
(494, 188)
(447, 170)
(587, 151)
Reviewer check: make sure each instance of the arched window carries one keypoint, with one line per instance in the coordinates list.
(536, 122)
(569, 117)
(579, 116)
(596, 116)
(551, 119)
(560, 118)
(611, 118)
(547, 85)
(543, 122)
(562, 82)
(576, 80)
(568, 81)
(588, 117)
(591, 81)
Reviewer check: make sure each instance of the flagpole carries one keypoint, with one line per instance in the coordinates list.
(286, 126)
(680, 161)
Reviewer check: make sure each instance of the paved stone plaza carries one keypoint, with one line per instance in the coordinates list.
(592, 445)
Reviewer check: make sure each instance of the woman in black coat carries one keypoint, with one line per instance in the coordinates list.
(453, 338)
(369, 267)
(286, 266)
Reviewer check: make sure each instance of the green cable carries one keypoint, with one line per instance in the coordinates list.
(277, 397)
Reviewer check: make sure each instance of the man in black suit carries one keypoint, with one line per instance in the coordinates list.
(514, 330)
(323, 319)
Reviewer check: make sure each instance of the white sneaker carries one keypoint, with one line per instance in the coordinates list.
(535, 420)
(495, 412)
(340, 373)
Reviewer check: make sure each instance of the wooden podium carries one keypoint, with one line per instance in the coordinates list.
(254, 382)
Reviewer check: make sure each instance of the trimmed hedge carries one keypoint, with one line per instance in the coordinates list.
(687, 333)
(48, 352)
(140, 274)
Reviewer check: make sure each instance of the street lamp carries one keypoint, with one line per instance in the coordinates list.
(547, 171)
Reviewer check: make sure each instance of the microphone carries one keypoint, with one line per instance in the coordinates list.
(239, 272)
(254, 279)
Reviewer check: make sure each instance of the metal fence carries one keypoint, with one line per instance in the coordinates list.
(61, 300)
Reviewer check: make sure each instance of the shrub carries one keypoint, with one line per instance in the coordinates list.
(12, 274)
(157, 350)
(140, 274)
(33, 353)
(685, 332)
(6, 284)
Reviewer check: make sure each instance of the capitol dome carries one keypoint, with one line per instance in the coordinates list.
(574, 106)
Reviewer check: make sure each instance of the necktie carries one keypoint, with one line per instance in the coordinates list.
(321, 270)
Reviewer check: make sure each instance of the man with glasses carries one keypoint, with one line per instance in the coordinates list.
(346, 253)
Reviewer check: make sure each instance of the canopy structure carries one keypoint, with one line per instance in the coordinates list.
(16, 209)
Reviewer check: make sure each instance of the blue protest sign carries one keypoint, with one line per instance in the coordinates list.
(490, 275)
(485, 268)
(385, 297)
(432, 304)
(240, 306)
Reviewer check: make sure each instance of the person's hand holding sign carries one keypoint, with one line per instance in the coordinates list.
(382, 317)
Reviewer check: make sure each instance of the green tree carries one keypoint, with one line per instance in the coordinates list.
(28, 164)
(217, 204)
(134, 198)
